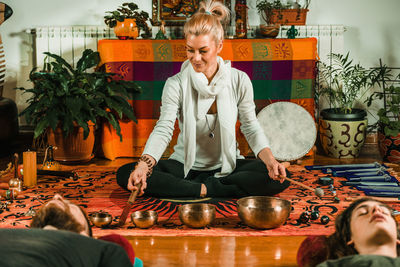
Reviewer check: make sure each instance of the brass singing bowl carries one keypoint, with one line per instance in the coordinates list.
(197, 215)
(262, 212)
(144, 218)
(101, 219)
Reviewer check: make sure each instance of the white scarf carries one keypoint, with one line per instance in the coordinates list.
(193, 110)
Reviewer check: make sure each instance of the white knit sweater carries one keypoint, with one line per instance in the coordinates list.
(208, 150)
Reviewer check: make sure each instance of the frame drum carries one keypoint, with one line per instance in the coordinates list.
(290, 129)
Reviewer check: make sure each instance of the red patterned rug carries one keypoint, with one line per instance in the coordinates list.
(97, 190)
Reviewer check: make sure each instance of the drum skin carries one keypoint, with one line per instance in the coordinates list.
(290, 129)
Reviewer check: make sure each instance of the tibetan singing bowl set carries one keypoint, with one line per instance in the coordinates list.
(259, 212)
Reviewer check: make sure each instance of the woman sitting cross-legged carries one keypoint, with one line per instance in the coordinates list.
(366, 234)
(207, 97)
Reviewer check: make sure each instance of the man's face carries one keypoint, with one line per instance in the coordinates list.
(65, 210)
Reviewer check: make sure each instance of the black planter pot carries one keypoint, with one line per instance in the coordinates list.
(333, 114)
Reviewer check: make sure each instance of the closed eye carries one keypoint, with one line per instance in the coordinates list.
(362, 211)
(385, 210)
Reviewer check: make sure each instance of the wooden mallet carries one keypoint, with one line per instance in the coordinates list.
(319, 192)
(129, 205)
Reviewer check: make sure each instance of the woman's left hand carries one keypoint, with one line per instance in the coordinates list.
(276, 170)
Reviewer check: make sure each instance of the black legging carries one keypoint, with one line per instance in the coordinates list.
(250, 178)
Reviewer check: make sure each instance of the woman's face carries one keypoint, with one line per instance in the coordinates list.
(202, 53)
(371, 222)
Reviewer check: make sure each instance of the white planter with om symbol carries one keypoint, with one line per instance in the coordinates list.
(342, 139)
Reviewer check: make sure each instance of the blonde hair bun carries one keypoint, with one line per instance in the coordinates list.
(215, 8)
(209, 19)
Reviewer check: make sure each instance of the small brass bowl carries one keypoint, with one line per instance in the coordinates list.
(197, 215)
(101, 218)
(262, 212)
(144, 218)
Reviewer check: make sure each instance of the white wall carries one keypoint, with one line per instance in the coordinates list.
(373, 29)
(31, 13)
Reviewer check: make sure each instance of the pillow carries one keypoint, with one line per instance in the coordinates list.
(312, 251)
(123, 242)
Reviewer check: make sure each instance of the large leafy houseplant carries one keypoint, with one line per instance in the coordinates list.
(129, 11)
(388, 123)
(64, 96)
(344, 84)
(389, 115)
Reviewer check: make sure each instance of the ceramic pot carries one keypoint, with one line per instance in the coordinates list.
(126, 29)
(389, 147)
(72, 148)
(342, 135)
(288, 16)
(269, 31)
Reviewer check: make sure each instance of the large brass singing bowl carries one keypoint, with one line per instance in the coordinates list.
(197, 215)
(262, 212)
(144, 218)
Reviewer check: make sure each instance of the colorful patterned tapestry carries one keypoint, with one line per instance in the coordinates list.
(97, 190)
(280, 70)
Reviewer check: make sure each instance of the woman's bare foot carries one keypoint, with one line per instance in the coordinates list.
(203, 190)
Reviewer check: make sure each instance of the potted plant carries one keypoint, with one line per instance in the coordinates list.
(66, 102)
(343, 85)
(275, 12)
(127, 21)
(388, 123)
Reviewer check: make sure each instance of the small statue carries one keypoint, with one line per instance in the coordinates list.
(161, 33)
(241, 18)
(292, 32)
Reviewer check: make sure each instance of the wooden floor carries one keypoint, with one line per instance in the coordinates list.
(228, 251)
(225, 251)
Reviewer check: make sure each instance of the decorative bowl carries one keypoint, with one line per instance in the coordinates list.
(262, 212)
(269, 31)
(144, 218)
(101, 218)
(197, 215)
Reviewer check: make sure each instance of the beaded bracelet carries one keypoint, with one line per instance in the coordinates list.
(148, 163)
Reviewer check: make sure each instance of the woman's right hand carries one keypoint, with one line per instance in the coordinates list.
(138, 176)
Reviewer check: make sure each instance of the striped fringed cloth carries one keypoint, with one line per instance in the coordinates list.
(280, 70)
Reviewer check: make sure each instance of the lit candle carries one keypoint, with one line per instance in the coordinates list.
(30, 169)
